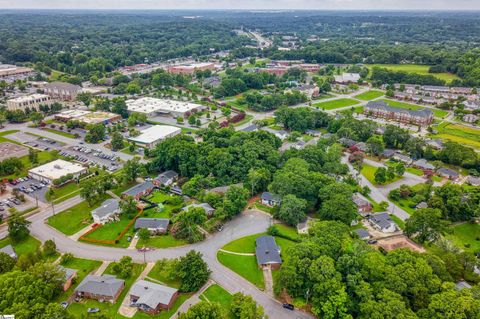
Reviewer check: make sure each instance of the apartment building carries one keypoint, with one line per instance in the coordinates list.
(29, 101)
(381, 109)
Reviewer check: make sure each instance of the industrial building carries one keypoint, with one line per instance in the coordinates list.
(151, 136)
(88, 117)
(55, 170)
(29, 101)
(153, 107)
(191, 68)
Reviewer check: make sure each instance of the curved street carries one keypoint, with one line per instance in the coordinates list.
(248, 223)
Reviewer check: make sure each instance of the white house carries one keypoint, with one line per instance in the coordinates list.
(383, 223)
(106, 212)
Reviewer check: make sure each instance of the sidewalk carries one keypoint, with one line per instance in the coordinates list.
(79, 234)
(267, 277)
(192, 300)
(102, 268)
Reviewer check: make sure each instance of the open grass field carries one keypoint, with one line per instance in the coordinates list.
(216, 293)
(245, 266)
(369, 172)
(415, 68)
(466, 236)
(43, 157)
(64, 192)
(74, 219)
(79, 309)
(335, 104)
(459, 133)
(370, 95)
(436, 112)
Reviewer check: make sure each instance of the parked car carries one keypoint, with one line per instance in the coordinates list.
(93, 310)
(288, 306)
(64, 304)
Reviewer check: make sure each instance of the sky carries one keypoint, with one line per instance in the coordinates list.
(246, 4)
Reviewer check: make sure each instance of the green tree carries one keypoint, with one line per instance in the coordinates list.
(375, 145)
(144, 234)
(117, 141)
(235, 200)
(381, 175)
(6, 263)
(96, 133)
(32, 156)
(124, 267)
(49, 248)
(203, 310)
(129, 207)
(258, 180)
(338, 207)
(18, 228)
(244, 307)
(36, 118)
(192, 271)
(292, 210)
(133, 169)
(425, 224)
(400, 169)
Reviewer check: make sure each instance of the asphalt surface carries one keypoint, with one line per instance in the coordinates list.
(248, 223)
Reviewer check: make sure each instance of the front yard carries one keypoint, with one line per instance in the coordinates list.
(245, 266)
(369, 172)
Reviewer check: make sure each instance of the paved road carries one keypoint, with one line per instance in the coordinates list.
(250, 222)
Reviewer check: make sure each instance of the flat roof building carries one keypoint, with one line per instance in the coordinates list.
(153, 135)
(191, 68)
(7, 70)
(32, 101)
(56, 169)
(62, 90)
(153, 107)
(88, 117)
(347, 78)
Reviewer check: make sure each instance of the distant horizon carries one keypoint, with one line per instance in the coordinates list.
(245, 5)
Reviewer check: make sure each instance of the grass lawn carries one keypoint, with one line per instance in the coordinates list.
(111, 230)
(61, 133)
(64, 192)
(436, 112)
(159, 274)
(369, 172)
(335, 104)
(459, 133)
(414, 171)
(398, 221)
(74, 219)
(43, 157)
(245, 266)
(28, 245)
(287, 231)
(79, 309)
(370, 95)
(4, 139)
(216, 293)
(162, 241)
(258, 205)
(164, 314)
(83, 267)
(405, 204)
(466, 236)
(415, 68)
(323, 97)
(246, 244)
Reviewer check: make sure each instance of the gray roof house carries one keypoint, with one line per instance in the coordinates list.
(424, 165)
(270, 199)
(402, 158)
(383, 222)
(474, 181)
(435, 144)
(448, 173)
(151, 297)
(166, 178)
(422, 205)
(154, 225)
(208, 209)
(387, 153)
(346, 142)
(250, 128)
(9, 251)
(362, 233)
(105, 287)
(106, 211)
(267, 252)
(139, 190)
(462, 285)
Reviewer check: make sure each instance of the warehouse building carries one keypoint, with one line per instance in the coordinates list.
(55, 170)
(151, 136)
(29, 101)
(153, 107)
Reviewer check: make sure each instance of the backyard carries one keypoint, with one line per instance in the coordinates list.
(335, 104)
(466, 236)
(110, 231)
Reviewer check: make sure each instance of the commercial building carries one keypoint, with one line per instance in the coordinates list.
(381, 109)
(9, 70)
(55, 170)
(151, 298)
(62, 91)
(153, 107)
(191, 68)
(151, 136)
(29, 101)
(88, 117)
(347, 78)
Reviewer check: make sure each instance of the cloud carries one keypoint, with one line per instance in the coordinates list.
(246, 4)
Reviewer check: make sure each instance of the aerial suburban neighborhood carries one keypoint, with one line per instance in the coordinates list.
(239, 164)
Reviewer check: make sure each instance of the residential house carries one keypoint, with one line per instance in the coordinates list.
(436, 144)
(250, 128)
(152, 298)
(270, 199)
(314, 133)
(421, 205)
(309, 90)
(423, 165)
(402, 158)
(208, 209)
(462, 285)
(362, 234)
(155, 226)
(470, 118)
(304, 226)
(472, 180)
(383, 222)
(70, 274)
(140, 190)
(175, 189)
(381, 109)
(472, 105)
(361, 146)
(267, 252)
(101, 288)
(363, 205)
(212, 82)
(9, 251)
(387, 153)
(107, 211)
(347, 142)
(281, 134)
(166, 178)
(223, 189)
(448, 173)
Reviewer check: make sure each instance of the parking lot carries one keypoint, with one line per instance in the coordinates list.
(91, 157)
(7, 201)
(40, 143)
(32, 188)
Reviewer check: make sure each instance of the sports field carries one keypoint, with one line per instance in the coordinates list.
(414, 68)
